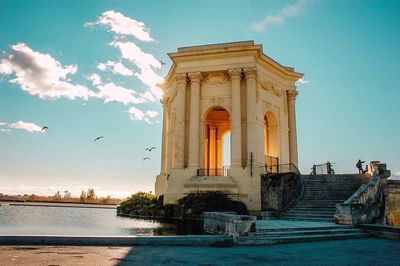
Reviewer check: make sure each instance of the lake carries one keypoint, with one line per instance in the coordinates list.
(39, 220)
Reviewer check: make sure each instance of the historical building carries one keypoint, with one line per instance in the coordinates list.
(212, 90)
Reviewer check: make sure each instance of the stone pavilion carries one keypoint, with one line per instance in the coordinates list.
(213, 90)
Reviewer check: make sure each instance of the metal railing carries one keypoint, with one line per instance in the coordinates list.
(271, 160)
(280, 168)
(212, 172)
(322, 169)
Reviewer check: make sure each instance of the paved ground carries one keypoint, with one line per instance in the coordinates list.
(368, 251)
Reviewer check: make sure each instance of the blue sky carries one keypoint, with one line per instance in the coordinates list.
(88, 69)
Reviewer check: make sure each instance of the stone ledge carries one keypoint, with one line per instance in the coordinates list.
(72, 240)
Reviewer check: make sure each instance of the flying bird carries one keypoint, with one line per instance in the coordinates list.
(44, 128)
(161, 62)
(150, 149)
(146, 158)
(96, 139)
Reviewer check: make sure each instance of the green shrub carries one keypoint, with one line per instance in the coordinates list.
(195, 204)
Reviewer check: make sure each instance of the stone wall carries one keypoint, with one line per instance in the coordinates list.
(392, 202)
(366, 205)
(278, 190)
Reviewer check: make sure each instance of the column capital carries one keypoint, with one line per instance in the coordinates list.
(180, 79)
(165, 101)
(213, 126)
(250, 72)
(292, 94)
(234, 73)
(195, 77)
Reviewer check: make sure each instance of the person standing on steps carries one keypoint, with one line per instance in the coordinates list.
(360, 167)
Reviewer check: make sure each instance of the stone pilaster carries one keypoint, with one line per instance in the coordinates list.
(251, 75)
(194, 129)
(165, 139)
(180, 120)
(236, 123)
(291, 95)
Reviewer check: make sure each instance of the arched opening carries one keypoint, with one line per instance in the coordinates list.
(271, 147)
(217, 125)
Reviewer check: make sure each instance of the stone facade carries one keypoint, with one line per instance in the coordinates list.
(211, 90)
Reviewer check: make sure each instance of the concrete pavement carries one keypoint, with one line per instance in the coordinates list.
(367, 251)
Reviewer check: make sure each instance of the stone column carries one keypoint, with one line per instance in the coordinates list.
(165, 135)
(292, 126)
(251, 74)
(180, 120)
(212, 146)
(236, 123)
(194, 130)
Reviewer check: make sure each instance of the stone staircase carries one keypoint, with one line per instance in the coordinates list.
(321, 194)
(291, 233)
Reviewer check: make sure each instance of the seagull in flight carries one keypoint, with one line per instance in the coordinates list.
(96, 139)
(44, 129)
(146, 158)
(150, 149)
(161, 62)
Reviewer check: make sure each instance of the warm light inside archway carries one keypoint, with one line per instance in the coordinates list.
(271, 148)
(217, 125)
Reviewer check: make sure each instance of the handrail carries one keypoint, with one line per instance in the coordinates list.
(212, 172)
(365, 205)
(280, 168)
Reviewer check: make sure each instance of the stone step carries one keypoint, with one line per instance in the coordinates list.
(305, 210)
(317, 202)
(315, 219)
(307, 213)
(310, 231)
(245, 240)
(266, 229)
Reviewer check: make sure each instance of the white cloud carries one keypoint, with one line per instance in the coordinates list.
(114, 93)
(303, 81)
(42, 75)
(117, 23)
(95, 79)
(137, 114)
(30, 127)
(291, 10)
(3, 123)
(144, 61)
(116, 68)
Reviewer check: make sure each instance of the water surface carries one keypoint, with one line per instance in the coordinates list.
(33, 220)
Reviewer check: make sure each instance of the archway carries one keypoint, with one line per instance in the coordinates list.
(271, 147)
(216, 126)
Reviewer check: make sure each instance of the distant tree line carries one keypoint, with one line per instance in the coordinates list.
(88, 196)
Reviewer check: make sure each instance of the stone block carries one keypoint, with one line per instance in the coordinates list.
(228, 223)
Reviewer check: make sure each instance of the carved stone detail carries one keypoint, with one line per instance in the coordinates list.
(216, 79)
(217, 101)
(292, 94)
(267, 107)
(195, 77)
(234, 73)
(269, 86)
(180, 79)
(165, 102)
(250, 72)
